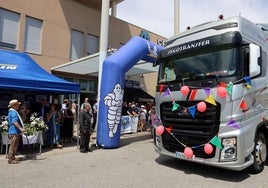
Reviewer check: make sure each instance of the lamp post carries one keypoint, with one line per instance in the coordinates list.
(103, 44)
(176, 17)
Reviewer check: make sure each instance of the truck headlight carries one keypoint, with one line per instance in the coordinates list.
(229, 151)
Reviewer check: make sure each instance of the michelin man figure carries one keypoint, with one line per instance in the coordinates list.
(114, 102)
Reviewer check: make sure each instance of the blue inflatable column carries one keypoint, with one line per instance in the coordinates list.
(112, 88)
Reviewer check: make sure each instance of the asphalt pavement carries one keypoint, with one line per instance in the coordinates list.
(68, 167)
(133, 164)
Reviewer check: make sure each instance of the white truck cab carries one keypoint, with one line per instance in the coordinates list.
(223, 66)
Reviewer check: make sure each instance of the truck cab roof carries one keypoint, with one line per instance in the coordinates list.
(250, 31)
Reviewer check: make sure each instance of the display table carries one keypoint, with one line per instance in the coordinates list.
(36, 138)
(129, 124)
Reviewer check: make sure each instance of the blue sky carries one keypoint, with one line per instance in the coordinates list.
(158, 15)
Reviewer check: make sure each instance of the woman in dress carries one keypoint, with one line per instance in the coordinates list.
(53, 119)
(67, 126)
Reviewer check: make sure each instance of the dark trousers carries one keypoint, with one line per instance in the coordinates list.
(94, 121)
(84, 141)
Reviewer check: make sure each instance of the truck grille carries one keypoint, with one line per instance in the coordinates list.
(187, 130)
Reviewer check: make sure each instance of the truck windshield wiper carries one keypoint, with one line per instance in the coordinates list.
(201, 77)
(212, 76)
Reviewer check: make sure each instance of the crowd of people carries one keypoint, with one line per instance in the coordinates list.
(60, 119)
(145, 112)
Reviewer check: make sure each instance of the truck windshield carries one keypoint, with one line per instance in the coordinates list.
(220, 63)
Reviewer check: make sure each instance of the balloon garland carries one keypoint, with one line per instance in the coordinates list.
(159, 130)
(208, 148)
(202, 106)
(222, 91)
(188, 152)
(185, 90)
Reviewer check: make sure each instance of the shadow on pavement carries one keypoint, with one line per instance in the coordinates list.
(134, 137)
(30, 152)
(127, 139)
(202, 170)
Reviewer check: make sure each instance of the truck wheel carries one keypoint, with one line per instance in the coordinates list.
(259, 154)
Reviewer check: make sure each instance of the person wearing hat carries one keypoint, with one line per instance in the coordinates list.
(16, 127)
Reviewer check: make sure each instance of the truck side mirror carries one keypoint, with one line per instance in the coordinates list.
(254, 59)
(157, 62)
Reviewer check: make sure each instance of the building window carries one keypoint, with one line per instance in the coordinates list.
(76, 44)
(92, 44)
(69, 79)
(92, 84)
(32, 42)
(87, 85)
(83, 85)
(145, 34)
(9, 24)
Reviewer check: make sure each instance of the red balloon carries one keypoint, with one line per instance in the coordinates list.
(208, 148)
(185, 90)
(202, 106)
(159, 130)
(188, 152)
(222, 92)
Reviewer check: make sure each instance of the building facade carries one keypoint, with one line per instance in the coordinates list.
(55, 32)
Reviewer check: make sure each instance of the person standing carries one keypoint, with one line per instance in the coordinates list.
(65, 101)
(67, 125)
(154, 120)
(42, 109)
(24, 113)
(124, 109)
(85, 101)
(95, 113)
(143, 114)
(74, 110)
(84, 127)
(53, 120)
(15, 125)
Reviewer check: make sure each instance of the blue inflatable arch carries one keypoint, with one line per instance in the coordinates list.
(112, 87)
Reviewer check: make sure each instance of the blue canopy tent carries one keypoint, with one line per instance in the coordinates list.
(18, 71)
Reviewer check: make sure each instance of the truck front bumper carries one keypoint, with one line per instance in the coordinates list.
(235, 165)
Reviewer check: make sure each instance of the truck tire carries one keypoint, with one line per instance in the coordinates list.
(259, 154)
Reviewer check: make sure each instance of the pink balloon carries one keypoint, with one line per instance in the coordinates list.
(202, 106)
(222, 91)
(188, 152)
(159, 130)
(185, 90)
(208, 148)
